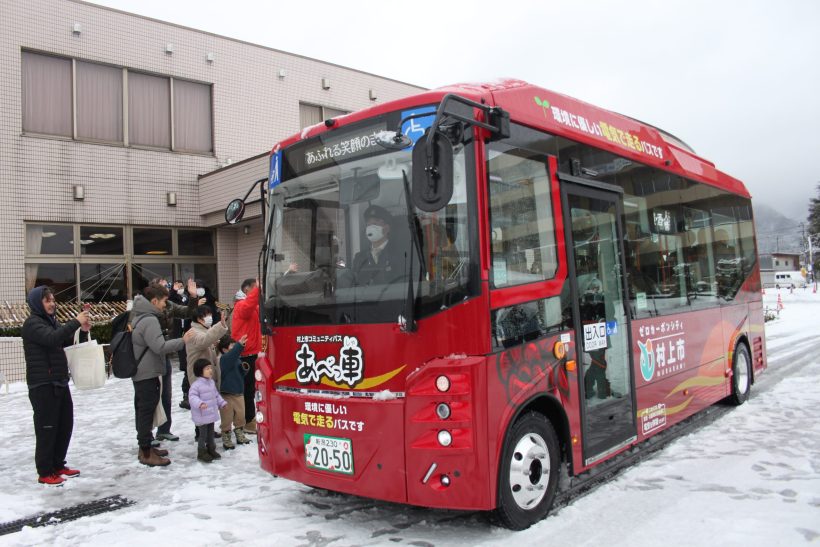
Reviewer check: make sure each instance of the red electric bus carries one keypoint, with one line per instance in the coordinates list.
(467, 290)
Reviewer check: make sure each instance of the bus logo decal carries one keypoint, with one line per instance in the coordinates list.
(647, 360)
(544, 104)
(348, 369)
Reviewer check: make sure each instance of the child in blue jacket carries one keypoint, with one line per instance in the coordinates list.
(232, 389)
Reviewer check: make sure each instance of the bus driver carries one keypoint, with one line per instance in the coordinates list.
(382, 262)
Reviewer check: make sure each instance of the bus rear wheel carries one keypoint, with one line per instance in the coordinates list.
(741, 375)
(528, 473)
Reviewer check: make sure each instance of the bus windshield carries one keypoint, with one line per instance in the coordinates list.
(341, 249)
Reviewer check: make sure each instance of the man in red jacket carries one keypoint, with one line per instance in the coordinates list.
(246, 323)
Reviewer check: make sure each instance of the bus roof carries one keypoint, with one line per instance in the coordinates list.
(565, 116)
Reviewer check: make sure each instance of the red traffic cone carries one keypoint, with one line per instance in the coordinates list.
(779, 302)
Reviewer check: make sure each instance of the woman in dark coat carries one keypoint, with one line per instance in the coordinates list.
(47, 378)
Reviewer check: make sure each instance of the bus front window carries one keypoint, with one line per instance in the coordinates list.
(342, 245)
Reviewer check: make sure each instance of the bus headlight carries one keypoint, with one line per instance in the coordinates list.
(444, 438)
(442, 383)
(258, 375)
(443, 411)
(257, 396)
(260, 417)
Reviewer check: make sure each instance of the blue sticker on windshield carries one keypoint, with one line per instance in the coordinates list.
(415, 128)
(275, 176)
(611, 328)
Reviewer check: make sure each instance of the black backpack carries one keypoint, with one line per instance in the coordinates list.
(123, 362)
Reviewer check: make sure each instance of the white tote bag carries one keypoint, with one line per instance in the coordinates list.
(86, 362)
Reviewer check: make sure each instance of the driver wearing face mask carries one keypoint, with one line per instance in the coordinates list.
(382, 262)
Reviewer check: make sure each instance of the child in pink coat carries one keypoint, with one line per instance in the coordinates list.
(205, 404)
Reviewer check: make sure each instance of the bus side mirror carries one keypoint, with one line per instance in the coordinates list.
(234, 211)
(432, 174)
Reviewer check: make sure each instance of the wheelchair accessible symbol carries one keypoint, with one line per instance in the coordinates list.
(416, 127)
(275, 176)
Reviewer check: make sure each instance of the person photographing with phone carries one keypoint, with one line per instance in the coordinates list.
(47, 378)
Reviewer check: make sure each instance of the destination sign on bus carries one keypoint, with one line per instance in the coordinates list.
(333, 149)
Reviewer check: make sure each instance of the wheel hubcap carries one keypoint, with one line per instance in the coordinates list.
(529, 471)
(742, 373)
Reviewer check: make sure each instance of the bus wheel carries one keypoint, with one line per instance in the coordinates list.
(528, 474)
(741, 375)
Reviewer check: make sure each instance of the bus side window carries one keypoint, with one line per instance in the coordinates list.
(521, 223)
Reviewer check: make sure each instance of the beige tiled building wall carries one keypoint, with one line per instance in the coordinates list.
(253, 107)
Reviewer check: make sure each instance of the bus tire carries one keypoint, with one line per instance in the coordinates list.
(528, 472)
(741, 375)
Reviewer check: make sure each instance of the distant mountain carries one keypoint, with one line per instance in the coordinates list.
(777, 232)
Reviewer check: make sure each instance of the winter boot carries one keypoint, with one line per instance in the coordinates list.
(214, 454)
(185, 404)
(227, 443)
(150, 458)
(204, 456)
(240, 436)
(159, 452)
(250, 427)
(51, 480)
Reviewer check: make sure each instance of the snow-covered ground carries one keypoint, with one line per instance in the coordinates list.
(750, 478)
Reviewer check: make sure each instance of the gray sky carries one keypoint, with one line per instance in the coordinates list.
(738, 80)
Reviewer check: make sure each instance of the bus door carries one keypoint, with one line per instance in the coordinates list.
(595, 254)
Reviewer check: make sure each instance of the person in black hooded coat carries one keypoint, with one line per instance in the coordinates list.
(47, 378)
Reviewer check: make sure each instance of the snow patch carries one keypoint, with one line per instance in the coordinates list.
(384, 395)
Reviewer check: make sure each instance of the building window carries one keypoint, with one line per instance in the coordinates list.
(101, 240)
(196, 243)
(97, 114)
(206, 273)
(49, 239)
(152, 241)
(192, 117)
(109, 263)
(310, 114)
(103, 282)
(99, 102)
(149, 110)
(47, 95)
(62, 278)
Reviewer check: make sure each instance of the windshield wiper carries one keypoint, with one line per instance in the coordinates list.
(409, 319)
